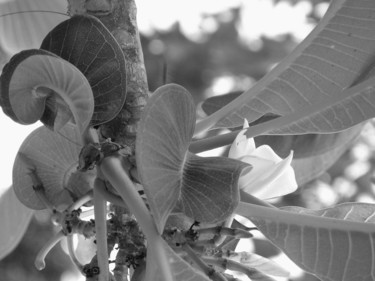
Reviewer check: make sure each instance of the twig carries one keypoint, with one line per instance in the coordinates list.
(100, 210)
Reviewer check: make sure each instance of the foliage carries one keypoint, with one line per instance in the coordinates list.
(315, 102)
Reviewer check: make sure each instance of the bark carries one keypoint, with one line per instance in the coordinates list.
(119, 16)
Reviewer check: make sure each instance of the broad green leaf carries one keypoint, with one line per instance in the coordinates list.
(282, 144)
(309, 145)
(14, 220)
(213, 104)
(335, 244)
(335, 56)
(24, 24)
(86, 43)
(36, 84)
(54, 159)
(309, 168)
(170, 174)
(179, 269)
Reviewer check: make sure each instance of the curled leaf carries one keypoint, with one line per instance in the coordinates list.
(86, 43)
(53, 159)
(36, 84)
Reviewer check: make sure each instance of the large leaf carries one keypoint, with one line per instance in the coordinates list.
(170, 174)
(25, 23)
(282, 144)
(309, 168)
(86, 43)
(54, 159)
(335, 56)
(36, 84)
(336, 244)
(14, 220)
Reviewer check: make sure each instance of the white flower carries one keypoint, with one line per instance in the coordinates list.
(271, 176)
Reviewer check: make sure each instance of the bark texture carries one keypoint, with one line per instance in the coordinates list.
(119, 16)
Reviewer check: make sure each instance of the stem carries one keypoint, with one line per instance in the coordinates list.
(40, 257)
(100, 210)
(110, 197)
(219, 238)
(208, 270)
(72, 253)
(112, 170)
(248, 198)
(81, 201)
(213, 142)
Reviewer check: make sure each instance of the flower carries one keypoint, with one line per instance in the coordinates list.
(271, 176)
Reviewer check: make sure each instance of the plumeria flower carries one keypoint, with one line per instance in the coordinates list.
(271, 176)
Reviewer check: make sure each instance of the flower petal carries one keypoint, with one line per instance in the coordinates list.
(268, 180)
(266, 152)
(242, 145)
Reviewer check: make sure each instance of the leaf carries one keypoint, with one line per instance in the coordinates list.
(36, 84)
(179, 269)
(14, 220)
(170, 174)
(86, 43)
(54, 159)
(335, 244)
(335, 56)
(213, 104)
(24, 24)
(283, 144)
(209, 188)
(311, 167)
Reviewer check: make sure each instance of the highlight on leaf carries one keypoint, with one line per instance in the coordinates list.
(87, 44)
(336, 56)
(170, 174)
(49, 161)
(38, 85)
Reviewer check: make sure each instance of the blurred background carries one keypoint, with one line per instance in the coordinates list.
(211, 48)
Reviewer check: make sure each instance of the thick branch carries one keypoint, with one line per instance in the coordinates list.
(119, 16)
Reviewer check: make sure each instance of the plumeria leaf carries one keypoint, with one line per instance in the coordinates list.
(53, 159)
(335, 56)
(283, 144)
(14, 220)
(28, 23)
(335, 244)
(86, 43)
(180, 269)
(311, 167)
(170, 174)
(36, 84)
